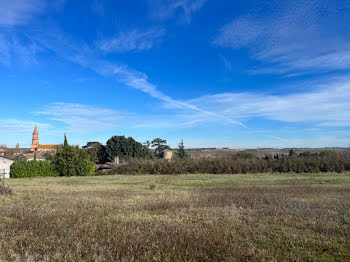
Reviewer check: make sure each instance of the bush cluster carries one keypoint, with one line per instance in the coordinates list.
(73, 161)
(24, 168)
(240, 164)
(68, 161)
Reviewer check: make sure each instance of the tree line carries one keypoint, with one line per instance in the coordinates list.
(120, 146)
(74, 161)
(242, 163)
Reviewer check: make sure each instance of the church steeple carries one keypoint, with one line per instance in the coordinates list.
(35, 140)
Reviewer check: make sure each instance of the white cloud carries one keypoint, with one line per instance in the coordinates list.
(133, 40)
(294, 36)
(226, 62)
(326, 105)
(14, 49)
(9, 126)
(83, 118)
(86, 57)
(18, 12)
(167, 9)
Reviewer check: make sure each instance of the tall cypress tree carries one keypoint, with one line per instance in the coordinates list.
(181, 150)
(65, 144)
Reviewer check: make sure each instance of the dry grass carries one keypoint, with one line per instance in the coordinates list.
(179, 218)
(4, 191)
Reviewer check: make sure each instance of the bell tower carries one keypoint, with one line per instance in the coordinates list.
(35, 140)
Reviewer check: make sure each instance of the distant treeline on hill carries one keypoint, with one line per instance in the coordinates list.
(241, 163)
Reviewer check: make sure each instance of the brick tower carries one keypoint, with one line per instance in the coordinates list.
(35, 140)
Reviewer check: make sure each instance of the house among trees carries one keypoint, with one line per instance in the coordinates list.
(36, 147)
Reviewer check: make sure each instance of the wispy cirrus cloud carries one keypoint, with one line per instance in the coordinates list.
(168, 9)
(15, 48)
(133, 40)
(326, 105)
(86, 57)
(8, 126)
(83, 118)
(292, 36)
(19, 12)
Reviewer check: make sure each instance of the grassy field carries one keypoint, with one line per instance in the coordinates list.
(279, 217)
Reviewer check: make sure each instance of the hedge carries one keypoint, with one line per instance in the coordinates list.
(25, 168)
(334, 162)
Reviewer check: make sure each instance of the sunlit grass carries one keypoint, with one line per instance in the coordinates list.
(264, 217)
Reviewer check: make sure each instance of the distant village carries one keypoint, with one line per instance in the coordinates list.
(36, 149)
(41, 151)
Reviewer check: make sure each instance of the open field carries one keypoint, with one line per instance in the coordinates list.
(266, 217)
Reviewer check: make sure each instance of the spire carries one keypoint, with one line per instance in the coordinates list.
(35, 140)
(36, 130)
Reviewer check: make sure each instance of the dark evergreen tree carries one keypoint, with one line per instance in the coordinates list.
(73, 161)
(181, 152)
(159, 145)
(292, 152)
(125, 147)
(65, 141)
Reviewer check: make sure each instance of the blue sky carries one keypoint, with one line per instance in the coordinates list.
(239, 74)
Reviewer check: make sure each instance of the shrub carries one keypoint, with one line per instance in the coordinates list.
(25, 168)
(73, 161)
(330, 162)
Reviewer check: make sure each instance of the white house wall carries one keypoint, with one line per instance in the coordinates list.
(5, 164)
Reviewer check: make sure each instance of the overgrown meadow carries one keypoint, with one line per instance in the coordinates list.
(266, 217)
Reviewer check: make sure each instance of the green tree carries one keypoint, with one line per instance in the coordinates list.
(49, 157)
(122, 146)
(96, 152)
(159, 145)
(147, 144)
(65, 140)
(73, 161)
(181, 152)
(292, 152)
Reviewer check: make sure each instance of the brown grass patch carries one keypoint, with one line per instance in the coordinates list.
(213, 223)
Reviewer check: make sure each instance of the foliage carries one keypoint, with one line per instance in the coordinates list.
(73, 161)
(245, 155)
(96, 152)
(241, 164)
(124, 147)
(49, 157)
(159, 145)
(25, 168)
(181, 152)
(292, 152)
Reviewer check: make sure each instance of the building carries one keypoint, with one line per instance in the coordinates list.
(5, 165)
(167, 154)
(36, 147)
(35, 140)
